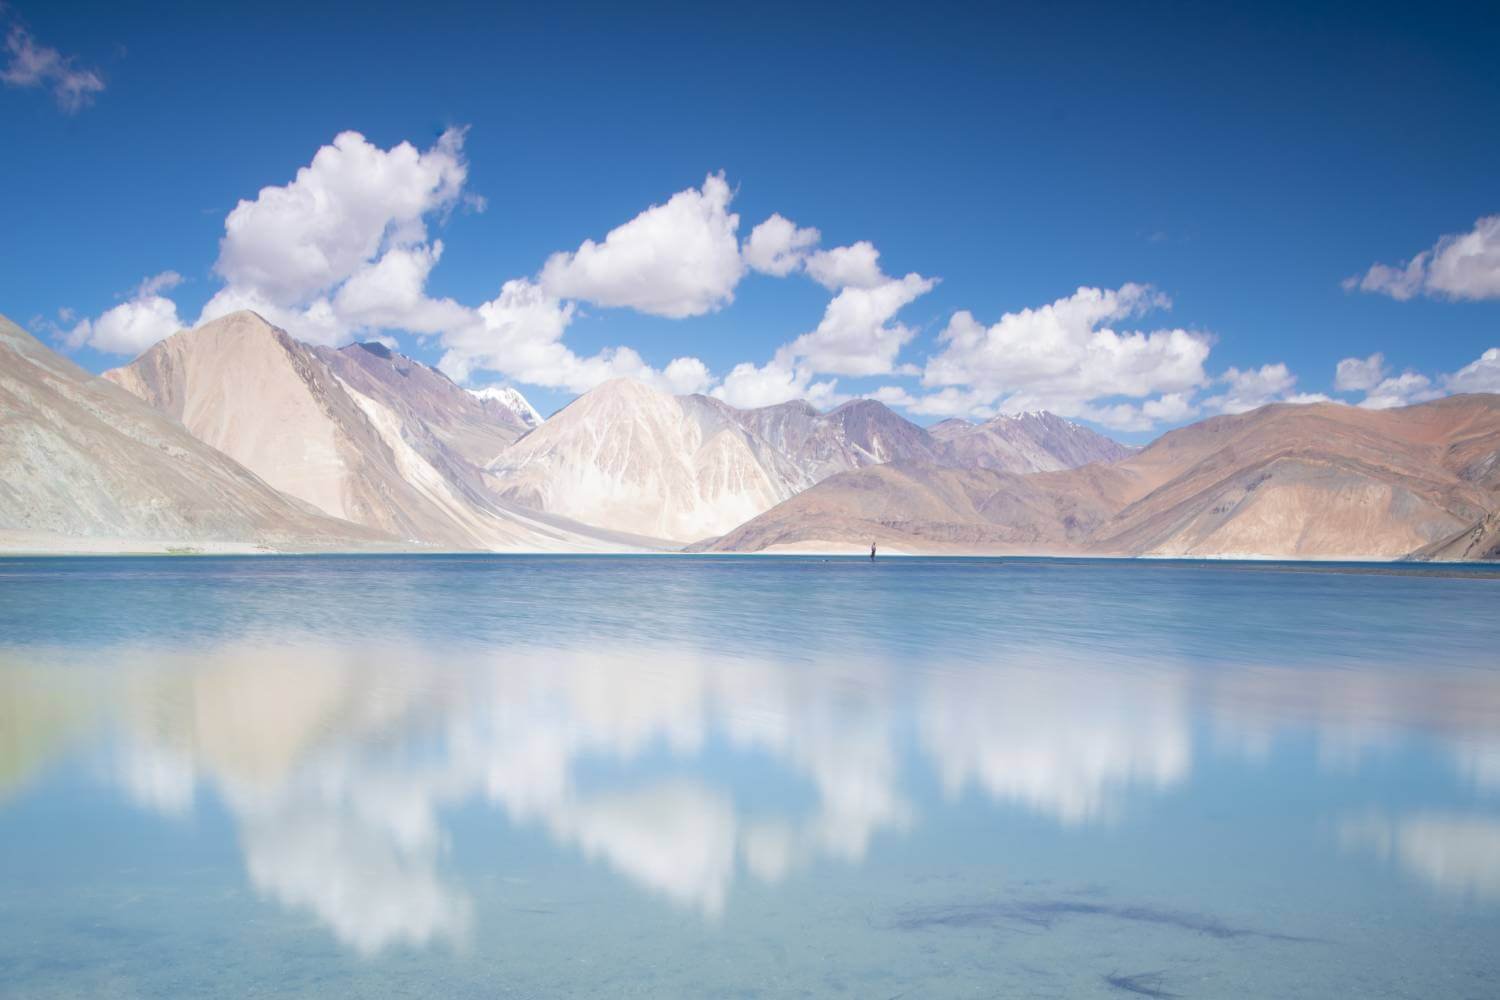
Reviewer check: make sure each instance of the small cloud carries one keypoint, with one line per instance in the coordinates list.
(677, 259)
(1359, 374)
(778, 246)
(31, 65)
(130, 327)
(1252, 388)
(1481, 375)
(156, 284)
(1458, 266)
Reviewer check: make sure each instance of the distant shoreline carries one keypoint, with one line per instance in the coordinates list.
(1464, 570)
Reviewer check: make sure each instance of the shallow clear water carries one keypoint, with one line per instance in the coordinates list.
(608, 776)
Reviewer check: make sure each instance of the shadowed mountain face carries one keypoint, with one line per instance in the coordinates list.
(457, 420)
(362, 434)
(859, 433)
(1027, 442)
(1480, 542)
(1317, 481)
(84, 463)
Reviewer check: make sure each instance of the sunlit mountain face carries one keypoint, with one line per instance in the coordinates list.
(956, 757)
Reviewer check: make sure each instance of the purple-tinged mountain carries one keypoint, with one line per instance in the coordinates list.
(1037, 441)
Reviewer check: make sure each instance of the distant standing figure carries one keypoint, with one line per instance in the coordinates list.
(872, 550)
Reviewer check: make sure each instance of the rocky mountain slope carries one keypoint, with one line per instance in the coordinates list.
(861, 432)
(629, 457)
(1028, 442)
(1480, 542)
(1318, 481)
(361, 434)
(922, 508)
(439, 415)
(84, 464)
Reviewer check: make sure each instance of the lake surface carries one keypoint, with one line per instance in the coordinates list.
(747, 777)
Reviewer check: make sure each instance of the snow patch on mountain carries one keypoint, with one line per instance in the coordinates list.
(510, 399)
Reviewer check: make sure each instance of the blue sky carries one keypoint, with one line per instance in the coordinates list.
(1241, 163)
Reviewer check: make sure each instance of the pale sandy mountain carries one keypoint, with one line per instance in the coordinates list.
(342, 430)
(1315, 481)
(628, 457)
(86, 466)
(631, 458)
(1025, 442)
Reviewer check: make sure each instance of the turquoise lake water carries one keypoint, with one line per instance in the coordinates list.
(747, 777)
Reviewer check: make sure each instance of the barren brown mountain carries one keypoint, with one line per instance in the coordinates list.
(1479, 542)
(1310, 481)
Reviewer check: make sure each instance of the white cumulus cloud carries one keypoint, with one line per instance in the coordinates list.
(1252, 388)
(519, 334)
(1359, 374)
(1458, 266)
(135, 324)
(1174, 407)
(343, 247)
(1481, 375)
(748, 386)
(297, 241)
(391, 293)
(779, 246)
(678, 259)
(858, 334)
(1065, 357)
(316, 322)
(853, 266)
(1401, 390)
(1382, 391)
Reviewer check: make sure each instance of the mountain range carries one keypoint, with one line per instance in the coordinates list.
(1318, 480)
(236, 435)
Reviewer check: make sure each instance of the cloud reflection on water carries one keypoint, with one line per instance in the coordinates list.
(337, 763)
(1456, 854)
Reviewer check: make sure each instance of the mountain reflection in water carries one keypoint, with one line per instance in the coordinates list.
(339, 763)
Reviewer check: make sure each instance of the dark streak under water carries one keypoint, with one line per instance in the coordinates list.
(770, 777)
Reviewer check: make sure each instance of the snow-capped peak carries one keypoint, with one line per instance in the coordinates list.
(512, 400)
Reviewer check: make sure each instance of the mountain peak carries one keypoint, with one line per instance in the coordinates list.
(242, 319)
(790, 406)
(374, 347)
(623, 393)
(1024, 416)
(511, 399)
